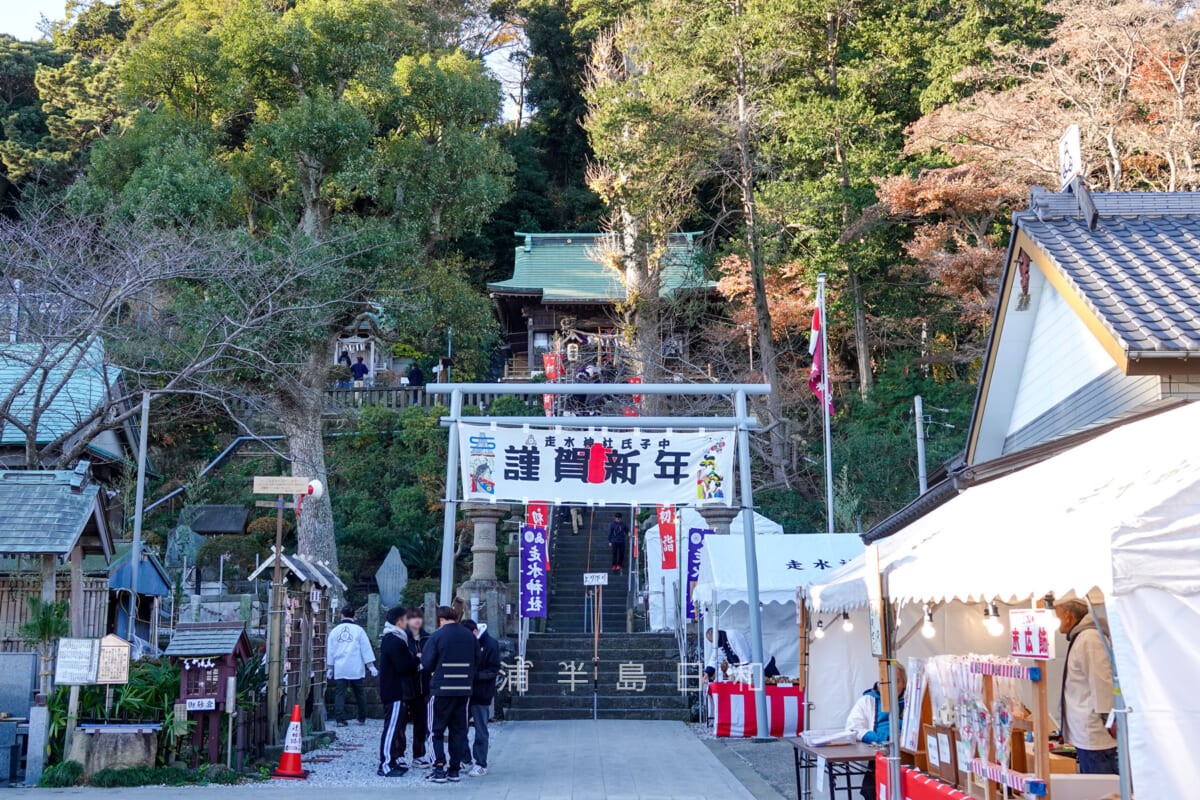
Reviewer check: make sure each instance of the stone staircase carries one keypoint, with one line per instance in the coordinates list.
(560, 672)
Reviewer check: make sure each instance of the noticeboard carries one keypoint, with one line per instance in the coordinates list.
(280, 484)
(595, 579)
(113, 664)
(76, 662)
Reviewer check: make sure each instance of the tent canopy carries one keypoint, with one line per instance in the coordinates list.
(1054, 526)
(784, 563)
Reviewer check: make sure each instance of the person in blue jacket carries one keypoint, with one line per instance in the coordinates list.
(872, 725)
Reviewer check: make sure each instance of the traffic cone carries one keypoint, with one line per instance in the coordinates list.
(289, 762)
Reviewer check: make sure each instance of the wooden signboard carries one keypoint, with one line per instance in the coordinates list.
(280, 484)
(76, 662)
(113, 663)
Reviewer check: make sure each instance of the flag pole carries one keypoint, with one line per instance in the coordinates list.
(825, 402)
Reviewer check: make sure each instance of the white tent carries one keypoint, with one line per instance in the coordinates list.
(665, 587)
(784, 563)
(1120, 514)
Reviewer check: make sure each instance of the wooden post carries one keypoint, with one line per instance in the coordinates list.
(989, 786)
(275, 618)
(1041, 731)
(76, 612)
(48, 578)
(802, 612)
(72, 720)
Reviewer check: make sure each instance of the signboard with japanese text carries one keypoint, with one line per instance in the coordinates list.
(202, 704)
(667, 536)
(513, 464)
(595, 579)
(1033, 632)
(280, 484)
(695, 547)
(1070, 156)
(537, 515)
(112, 665)
(76, 662)
(533, 571)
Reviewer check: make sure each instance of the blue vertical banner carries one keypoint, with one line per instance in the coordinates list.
(533, 571)
(695, 545)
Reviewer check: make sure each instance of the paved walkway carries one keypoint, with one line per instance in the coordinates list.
(559, 760)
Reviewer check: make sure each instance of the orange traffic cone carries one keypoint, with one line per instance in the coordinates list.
(289, 763)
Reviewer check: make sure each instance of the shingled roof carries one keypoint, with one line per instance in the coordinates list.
(49, 512)
(1136, 265)
(210, 519)
(202, 639)
(566, 268)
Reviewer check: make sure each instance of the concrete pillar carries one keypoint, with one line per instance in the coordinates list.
(719, 517)
(484, 517)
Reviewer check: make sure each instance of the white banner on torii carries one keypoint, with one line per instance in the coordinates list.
(572, 465)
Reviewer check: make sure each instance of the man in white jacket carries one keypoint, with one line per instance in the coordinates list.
(1087, 690)
(349, 656)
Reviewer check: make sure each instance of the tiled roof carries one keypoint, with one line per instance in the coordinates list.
(215, 519)
(84, 390)
(1138, 269)
(302, 568)
(565, 268)
(205, 638)
(45, 512)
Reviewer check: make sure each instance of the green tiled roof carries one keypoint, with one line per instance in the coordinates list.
(45, 512)
(204, 639)
(563, 268)
(84, 390)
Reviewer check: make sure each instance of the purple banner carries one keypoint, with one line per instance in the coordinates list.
(533, 571)
(695, 545)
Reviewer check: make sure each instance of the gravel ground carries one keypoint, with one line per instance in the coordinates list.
(353, 759)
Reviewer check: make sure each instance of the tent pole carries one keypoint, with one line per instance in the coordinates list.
(756, 642)
(1120, 711)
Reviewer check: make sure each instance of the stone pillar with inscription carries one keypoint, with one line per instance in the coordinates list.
(484, 517)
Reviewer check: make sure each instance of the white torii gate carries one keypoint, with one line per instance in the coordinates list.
(741, 422)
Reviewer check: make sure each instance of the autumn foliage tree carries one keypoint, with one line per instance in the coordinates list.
(1125, 72)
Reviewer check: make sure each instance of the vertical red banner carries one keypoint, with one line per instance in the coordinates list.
(668, 536)
(552, 366)
(537, 515)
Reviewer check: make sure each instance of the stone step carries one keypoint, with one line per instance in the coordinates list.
(669, 714)
(582, 698)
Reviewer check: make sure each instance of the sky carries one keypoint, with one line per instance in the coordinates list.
(19, 18)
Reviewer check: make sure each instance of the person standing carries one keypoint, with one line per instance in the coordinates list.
(416, 381)
(397, 674)
(617, 531)
(483, 692)
(449, 657)
(349, 656)
(1087, 691)
(417, 707)
(359, 370)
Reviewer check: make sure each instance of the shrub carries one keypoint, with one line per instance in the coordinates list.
(62, 775)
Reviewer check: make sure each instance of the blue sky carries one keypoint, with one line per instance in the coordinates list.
(19, 18)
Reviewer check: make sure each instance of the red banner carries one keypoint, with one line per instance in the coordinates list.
(668, 536)
(537, 515)
(635, 401)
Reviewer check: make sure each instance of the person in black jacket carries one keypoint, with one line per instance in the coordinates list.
(449, 657)
(487, 669)
(418, 706)
(617, 531)
(397, 676)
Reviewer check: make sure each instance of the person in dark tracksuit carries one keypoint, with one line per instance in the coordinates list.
(487, 669)
(397, 676)
(417, 707)
(617, 531)
(449, 657)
